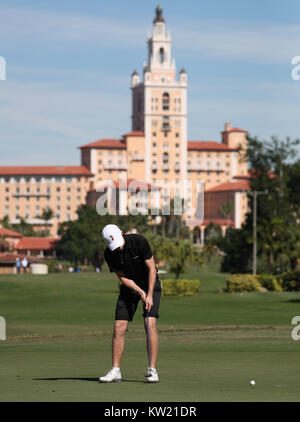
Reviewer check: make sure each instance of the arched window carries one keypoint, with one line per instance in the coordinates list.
(166, 101)
(161, 55)
(165, 157)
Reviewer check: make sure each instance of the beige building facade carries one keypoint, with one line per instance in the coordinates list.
(28, 190)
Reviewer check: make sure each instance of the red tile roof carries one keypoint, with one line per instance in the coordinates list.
(231, 187)
(134, 133)
(106, 143)
(9, 258)
(235, 129)
(36, 243)
(208, 146)
(44, 171)
(9, 233)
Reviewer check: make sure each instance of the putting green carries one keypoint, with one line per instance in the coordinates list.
(211, 345)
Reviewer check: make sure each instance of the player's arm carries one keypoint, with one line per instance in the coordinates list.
(131, 285)
(150, 264)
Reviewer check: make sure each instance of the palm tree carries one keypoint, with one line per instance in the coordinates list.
(226, 210)
(46, 215)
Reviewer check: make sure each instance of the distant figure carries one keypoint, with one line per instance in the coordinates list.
(24, 264)
(18, 265)
(71, 269)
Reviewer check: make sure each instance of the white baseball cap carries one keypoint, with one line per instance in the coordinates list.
(112, 236)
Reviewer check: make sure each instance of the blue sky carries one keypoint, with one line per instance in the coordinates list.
(69, 65)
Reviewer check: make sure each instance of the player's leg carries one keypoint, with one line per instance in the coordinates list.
(152, 337)
(125, 309)
(118, 342)
(150, 319)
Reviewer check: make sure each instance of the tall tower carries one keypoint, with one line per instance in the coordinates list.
(159, 108)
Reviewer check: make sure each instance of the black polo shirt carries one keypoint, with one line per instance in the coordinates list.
(131, 261)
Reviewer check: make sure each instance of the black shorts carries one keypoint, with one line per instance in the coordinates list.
(127, 305)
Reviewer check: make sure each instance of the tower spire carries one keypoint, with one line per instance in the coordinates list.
(159, 17)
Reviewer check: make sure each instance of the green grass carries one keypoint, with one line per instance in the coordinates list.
(59, 338)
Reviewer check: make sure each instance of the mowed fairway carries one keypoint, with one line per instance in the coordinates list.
(59, 330)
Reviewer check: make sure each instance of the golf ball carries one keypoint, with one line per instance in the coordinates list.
(252, 382)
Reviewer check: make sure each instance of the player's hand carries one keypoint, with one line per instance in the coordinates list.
(143, 296)
(148, 303)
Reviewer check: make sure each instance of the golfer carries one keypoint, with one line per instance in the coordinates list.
(130, 257)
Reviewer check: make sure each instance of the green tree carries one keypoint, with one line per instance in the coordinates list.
(278, 232)
(181, 254)
(226, 210)
(25, 228)
(46, 216)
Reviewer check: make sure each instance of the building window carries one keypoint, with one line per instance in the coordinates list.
(165, 157)
(154, 134)
(166, 101)
(165, 123)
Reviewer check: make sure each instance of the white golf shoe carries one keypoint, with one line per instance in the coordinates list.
(114, 375)
(152, 375)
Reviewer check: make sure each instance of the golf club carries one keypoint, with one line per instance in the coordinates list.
(148, 339)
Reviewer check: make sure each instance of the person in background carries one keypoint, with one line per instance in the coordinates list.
(24, 264)
(18, 265)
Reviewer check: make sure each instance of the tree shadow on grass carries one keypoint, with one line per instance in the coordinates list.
(293, 301)
(81, 379)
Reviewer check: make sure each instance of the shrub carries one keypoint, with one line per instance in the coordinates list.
(243, 283)
(172, 287)
(291, 281)
(53, 266)
(270, 282)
